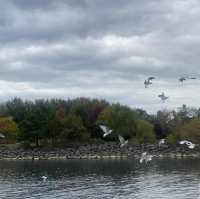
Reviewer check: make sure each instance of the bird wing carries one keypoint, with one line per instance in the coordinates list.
(183, 142)
(104, 128)
(162, 141)
(2, 135)
(121, 139)
(151, 78)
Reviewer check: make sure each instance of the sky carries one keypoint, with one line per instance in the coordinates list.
(101, 49)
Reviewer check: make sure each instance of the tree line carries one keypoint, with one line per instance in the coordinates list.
(57, 122)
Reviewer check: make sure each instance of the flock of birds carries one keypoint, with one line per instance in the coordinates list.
(145, 157)
(162, 96)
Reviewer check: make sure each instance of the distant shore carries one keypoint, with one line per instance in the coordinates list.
(98, 151)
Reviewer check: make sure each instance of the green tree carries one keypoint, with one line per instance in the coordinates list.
(34, 125)
(145, 132)
(191, 131)
(122, 119)
(73, 129)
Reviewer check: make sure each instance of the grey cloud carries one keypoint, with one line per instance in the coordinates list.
(99, 48)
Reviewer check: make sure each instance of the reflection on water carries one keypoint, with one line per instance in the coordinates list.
(165, 178)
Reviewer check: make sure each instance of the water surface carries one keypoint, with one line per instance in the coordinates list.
(75, 179)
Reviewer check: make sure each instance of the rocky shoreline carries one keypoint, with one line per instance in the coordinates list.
(98, 151)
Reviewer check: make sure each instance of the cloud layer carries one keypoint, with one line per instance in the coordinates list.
(101, 49)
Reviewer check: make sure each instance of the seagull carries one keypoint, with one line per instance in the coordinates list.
(192, 78)
(181, 79)
(148, 81)
(44, 178)
(188, 143)
(106, 130)
(123, 142)
(145, 157)
(163, 97)
(162, 141)
(2, 136)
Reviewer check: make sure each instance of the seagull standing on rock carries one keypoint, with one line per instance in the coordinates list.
(188, 143)
(162, 141)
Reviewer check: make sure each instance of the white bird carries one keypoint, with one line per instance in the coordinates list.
(162, 141)
(106, 130)
(163, 97)
(145, 157)
(123, 142)
(188, 143)
(2, 136)
(44, 178)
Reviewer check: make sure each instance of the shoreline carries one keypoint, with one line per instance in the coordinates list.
(99, 151)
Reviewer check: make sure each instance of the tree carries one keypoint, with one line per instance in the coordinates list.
(122, 119)
(145, 133)
(191, 131)
(34, 125)
(16, 108)
(164, 123)
(8, 128)
(73, 129)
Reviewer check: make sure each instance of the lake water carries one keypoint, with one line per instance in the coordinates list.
(167, 178)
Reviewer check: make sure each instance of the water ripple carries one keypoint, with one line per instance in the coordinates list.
(100, 179)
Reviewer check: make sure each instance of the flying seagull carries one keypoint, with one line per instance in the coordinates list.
(192, 77)
(123, 142)
(163, 97)
(148, 81)
(2, 136)
(182, 79)
(188, 143)
(145, 157)
(106, 130)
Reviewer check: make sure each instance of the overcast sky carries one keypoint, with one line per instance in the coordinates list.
(102, 49)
